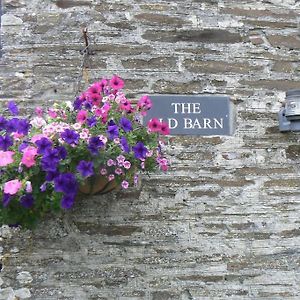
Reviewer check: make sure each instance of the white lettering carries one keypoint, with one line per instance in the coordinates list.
(173, 123)
(196, 108)
(219, 123)
(196, 123)
(188, 123)
(175, 107)
(186, 108)
(206, 123)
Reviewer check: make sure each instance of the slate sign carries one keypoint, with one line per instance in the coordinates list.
(193, 114)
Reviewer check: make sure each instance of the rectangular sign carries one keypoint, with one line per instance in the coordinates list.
(193, 114)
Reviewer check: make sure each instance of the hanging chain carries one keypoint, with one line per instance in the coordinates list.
(85, 52)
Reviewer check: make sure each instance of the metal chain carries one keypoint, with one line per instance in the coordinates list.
(85, 52)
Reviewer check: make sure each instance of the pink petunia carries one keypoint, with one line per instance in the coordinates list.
(82, 116)
(125, 184)
(164, 128)
(110, 163)
(28, 158)
(95, 88)
(39, 111)
(126, 105)
(116, 82)
(95, 99)
(111, 177)
(6, 158)
(154, 125)
(127, 164)
(52, 113)
(12, 187)
(103, 171)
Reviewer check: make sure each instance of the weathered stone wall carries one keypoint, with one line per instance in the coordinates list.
(223, 223)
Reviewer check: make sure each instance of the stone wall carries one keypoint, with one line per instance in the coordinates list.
(223, 223)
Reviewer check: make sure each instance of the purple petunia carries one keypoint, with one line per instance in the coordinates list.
(124, 144)
(70, 136)
(12, 125)
(13, 108)
(125, 124)
(87, 105)
(5, 142)
(3, 123)
(66, 183)
(50, 160)
(51, 175)
(23, 146)
(27, 200)
(77, 104)
(140, 150)
(67, 201)
(6, 199)
(112, 132)
(62, 152)
(23, 126)
(43, 144)
(85, 168)
(92, 121)
(95, 144)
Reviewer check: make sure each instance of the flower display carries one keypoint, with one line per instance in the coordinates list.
(45, 159)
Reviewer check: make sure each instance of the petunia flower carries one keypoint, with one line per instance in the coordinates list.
(164, 128)
(82, 116)
(124, 145)
(116, 82)
(3, 123)
(70, 136)
(140, 150)
(125, 184)
(66, 183)
(6, 199)
(85, 168)
(67, 201)
(154, 125)
(6, 158)
(12, 187)
(5, 142)
(29, 154)
(13, 108)
(27, 201)
(112, 132)
(43, 145)
(125, 124)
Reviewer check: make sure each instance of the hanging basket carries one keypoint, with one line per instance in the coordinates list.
(97, 184)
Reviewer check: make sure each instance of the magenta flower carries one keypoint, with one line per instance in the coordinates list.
(28, 158)
(144, 103)
(125, 184)
(6, 158)
(164, 128)
(154, 125)
(116, 82)
(12, 187)
(82, 116)
(95, 88)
